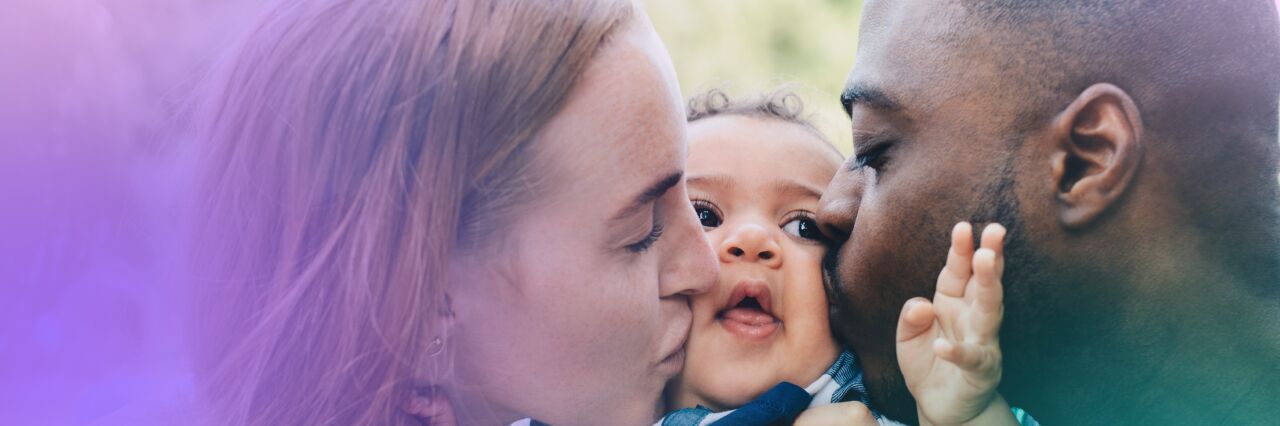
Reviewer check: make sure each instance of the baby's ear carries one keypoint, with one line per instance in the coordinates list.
(1098, 150)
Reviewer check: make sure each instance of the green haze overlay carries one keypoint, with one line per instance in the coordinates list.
(749, 46)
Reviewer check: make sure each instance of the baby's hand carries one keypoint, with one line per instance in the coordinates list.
(949, 350)
(841, 413)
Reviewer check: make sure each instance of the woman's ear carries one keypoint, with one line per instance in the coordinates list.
(445, 310)
(1099, 148)
(443, 324)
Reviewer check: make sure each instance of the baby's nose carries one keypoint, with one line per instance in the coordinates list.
(751, 243)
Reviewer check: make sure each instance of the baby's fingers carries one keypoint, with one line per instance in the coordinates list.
(959, 260)
(917, 317)
(843, 413)
(993, 238)
(968, 356)
(986, 290)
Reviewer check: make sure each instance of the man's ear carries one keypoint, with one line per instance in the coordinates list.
(1099, 150)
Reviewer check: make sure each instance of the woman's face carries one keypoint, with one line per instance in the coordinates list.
(582, 313)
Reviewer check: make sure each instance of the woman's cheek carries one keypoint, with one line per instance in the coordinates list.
(609, 299)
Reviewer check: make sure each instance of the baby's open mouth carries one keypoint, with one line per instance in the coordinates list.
(748, 312)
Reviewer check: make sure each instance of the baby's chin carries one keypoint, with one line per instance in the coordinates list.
(729, 384)
(723, 371)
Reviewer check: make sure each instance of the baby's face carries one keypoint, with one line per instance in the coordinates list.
(755, 184)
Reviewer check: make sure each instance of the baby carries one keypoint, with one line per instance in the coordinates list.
(761, 349)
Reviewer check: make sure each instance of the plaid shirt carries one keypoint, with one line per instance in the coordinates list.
(781, 404)
(841, 383)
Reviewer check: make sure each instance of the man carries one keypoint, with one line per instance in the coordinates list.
(1131, 149)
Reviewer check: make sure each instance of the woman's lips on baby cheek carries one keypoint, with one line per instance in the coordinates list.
(678, 336)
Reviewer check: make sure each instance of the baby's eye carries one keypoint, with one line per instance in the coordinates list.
(707, 214)
(803, 227)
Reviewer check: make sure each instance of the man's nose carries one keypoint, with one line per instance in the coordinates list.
(751, 243)
(838, 207)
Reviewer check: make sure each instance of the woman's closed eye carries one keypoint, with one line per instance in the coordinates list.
(803, 226)
(649, 239)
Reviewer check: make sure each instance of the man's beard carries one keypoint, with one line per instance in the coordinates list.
(1023, 263)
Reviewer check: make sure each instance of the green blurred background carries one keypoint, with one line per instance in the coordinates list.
(750, 46)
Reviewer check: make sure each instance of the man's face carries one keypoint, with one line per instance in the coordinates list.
(931, 149)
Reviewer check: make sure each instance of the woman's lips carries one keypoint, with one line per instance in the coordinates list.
(672, 364)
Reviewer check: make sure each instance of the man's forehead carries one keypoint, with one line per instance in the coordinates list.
(878, 10)
(908, 27)
(905, 47)
(879, 82)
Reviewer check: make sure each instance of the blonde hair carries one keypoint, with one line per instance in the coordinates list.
(355, 147)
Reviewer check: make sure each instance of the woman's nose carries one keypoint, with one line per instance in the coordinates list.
(693, 269)
(751, 243)
(838, 207)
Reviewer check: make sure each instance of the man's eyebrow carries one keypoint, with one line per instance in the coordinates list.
(650, 194)
(861, 94)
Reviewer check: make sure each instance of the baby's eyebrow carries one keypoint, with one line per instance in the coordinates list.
(794, 189)
(787, 188)
(721, 182)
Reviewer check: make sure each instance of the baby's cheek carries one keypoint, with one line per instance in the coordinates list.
(804, 286)
(808, 329)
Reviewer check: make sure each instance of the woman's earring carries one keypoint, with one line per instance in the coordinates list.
(446, 315)
(436, 347)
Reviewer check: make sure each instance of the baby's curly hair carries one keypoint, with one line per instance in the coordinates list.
(779, 104)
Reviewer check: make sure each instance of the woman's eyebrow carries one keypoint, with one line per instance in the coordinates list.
(650, 194)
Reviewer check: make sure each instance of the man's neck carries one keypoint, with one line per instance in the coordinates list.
(1209, 356)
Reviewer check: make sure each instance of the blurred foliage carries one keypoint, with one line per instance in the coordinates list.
(750, 46)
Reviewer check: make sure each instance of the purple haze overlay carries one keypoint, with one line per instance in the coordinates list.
(95, 160)
(96, 100)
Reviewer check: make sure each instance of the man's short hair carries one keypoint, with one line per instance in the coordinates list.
(1167, 48)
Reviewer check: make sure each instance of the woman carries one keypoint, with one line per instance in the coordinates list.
(477, 198)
